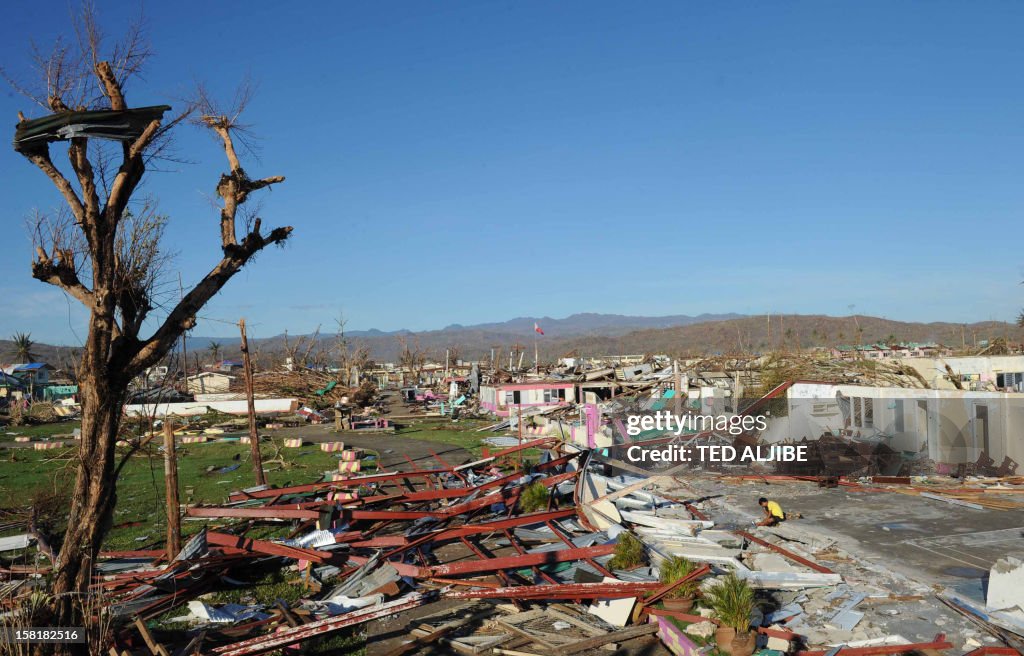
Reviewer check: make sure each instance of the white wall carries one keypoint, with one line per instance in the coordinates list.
(933, 370)
(947, 424)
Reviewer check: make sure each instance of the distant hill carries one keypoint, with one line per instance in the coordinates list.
(603, 334)
(478, 339)
(700, 335)
(62, 357)
(751, 334)
(590, 324)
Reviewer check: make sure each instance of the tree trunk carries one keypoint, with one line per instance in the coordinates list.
(93, 500)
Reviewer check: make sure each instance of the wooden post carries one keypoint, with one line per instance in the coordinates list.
(677, 383)
(171, 483)
(520, 426)
(254, 438)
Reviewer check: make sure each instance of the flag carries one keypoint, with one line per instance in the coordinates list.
(537, 329)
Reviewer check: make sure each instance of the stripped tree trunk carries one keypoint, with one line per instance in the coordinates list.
(117, 288)
(95, 494)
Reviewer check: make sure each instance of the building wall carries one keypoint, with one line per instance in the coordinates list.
(986, 368)
(209, 384)
(500, 399)
(949, 426)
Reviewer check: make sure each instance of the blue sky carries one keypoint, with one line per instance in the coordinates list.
(468, 162)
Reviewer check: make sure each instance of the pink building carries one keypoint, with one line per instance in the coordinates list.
(503, 398)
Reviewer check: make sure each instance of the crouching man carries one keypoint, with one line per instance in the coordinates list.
(773, 514)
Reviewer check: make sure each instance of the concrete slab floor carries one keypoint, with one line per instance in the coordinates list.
(925, 540)
(886, 544)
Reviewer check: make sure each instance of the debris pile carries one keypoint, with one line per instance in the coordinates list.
(456, 559)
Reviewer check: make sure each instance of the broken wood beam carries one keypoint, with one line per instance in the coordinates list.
(621, 635)
(612, 590)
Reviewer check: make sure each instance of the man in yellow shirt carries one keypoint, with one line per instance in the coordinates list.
(773, 513)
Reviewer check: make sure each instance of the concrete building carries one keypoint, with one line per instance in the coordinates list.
(209, 382)
(505, 398)
(947, 426)
(975, 372)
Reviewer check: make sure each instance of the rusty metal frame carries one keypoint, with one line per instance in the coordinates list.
(785, 552)
(289, 635)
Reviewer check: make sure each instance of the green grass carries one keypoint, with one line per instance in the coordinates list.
(140, 505)
(462, 434)
(38, 431)
(264, 589)
(469, 440)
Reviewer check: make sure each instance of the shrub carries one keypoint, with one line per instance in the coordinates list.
(674, 569)
(732, 599)
(629, 553)
(534, 497)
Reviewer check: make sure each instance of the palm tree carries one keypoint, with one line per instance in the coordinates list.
(22, 347)
(214, 349)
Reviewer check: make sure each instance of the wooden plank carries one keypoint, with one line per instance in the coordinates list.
(512, 622)
(154, 646)
(568, 616)
(621, 635)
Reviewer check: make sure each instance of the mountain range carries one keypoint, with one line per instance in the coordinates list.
(602, 334)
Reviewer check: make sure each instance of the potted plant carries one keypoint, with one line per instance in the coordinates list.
(681, 597)
(732, 600)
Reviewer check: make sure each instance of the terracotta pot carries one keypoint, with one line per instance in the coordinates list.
(724, 636)
(743, 644)
(681, 604)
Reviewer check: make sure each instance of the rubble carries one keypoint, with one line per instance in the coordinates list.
(447, 557)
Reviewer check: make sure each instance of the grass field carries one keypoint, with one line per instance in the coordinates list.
(39, 431)
(462, 435)
(139, 521)
(139, 518)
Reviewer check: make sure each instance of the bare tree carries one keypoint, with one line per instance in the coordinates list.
(304, 351)
(108, 258)
(349, 356)
(412, 357)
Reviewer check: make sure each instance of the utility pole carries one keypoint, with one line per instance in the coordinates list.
(254, 437)
(171, 484)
